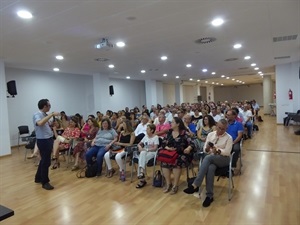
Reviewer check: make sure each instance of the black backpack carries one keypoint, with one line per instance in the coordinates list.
(88, 171)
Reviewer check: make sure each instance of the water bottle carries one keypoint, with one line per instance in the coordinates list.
(122, 176)
(146, 146)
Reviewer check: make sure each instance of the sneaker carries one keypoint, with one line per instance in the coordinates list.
(48, 186)
(207, 201)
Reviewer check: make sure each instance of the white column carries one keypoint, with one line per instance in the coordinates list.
(151, 93)
(267, 93)
(101, 93)
(210, 93)
(4, 127)
(178, 93)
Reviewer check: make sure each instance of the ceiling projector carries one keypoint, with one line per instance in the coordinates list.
(104, 44)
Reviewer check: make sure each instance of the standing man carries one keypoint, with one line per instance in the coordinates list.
(44, 139)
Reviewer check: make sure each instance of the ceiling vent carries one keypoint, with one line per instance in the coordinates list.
(282, 57)
(205, 40)
(230, 59)
(285, 38)
(101, 59)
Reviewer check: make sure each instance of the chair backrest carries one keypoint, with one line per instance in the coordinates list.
(23, 129)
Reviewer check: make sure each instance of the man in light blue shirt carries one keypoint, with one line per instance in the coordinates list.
(44, 140)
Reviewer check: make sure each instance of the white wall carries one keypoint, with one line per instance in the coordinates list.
(69, 92)
(169, 94)
(190, 93)
(239, 92)
(287, 77)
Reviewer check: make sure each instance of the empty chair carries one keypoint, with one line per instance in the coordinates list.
(23, 134)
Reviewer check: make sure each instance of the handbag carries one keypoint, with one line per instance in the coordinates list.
(167, 156)
(158, 180)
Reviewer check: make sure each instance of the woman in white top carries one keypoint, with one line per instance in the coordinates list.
(147, 148)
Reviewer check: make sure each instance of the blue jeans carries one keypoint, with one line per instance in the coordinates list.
(249, 126)
(98, 152)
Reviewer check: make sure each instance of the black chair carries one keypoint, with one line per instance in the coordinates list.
(23, 134)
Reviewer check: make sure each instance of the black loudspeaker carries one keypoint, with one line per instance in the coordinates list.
(11, 87)
(111, 90)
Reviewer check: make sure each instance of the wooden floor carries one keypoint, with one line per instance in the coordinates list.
(267, 192)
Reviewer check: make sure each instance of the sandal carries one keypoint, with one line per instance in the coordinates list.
(55, 165)
(75, 167)
(141, 184)
(174, 190)
(141, 176)
(167, 188)
(110, 173)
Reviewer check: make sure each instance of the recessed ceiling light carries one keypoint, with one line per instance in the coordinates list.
(164, 57)
(213, 73)
(165, 75)
(191, 78)
(56, 69)
(24, 14)
(206, 81)
(217, 22)
(198, 80)
(259, 72)
(237, 81)
(59, 57)
(247, 57)
(236, 46)
(143, 71)
(177, 77)
(213, 82)
(204, 70)
(120, 44)
(227, 78)
(222, 84)
(256, 68)
(217, 83)
(232, 79)
(188, 65)
(128, 77)
(222, 75)
(243, 82)
(111, 66)
(253, 64)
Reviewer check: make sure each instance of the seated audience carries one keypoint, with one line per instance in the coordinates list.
(215, 115)
(191, 128)
(247, 119)
(209, 125)
(103, 141)
(64, 119)
(62, 141)
(235, 129)
(126, 138)
(163, 126)
(147, 148)
(218, 145)
(140, 130)
(82, 146)
(177, 140)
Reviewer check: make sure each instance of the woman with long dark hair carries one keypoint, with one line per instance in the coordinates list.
(177, 140)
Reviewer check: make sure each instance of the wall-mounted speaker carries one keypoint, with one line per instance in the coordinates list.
(11, 87)
(111, 90)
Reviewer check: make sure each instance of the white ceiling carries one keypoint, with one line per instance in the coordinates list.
(151, 29)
